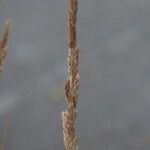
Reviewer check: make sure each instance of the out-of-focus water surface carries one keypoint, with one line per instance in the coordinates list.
(114, 104)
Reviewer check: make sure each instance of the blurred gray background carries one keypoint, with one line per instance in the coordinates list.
(114, 104)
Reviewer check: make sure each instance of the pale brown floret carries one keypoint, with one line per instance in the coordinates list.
(71, 86)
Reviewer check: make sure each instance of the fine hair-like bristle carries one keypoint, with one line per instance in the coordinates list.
(71, 84)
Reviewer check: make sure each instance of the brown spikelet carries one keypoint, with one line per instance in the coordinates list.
(71, 84)
(72, 17)
(3, 43)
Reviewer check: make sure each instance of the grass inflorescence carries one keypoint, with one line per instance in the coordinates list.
(71, 84)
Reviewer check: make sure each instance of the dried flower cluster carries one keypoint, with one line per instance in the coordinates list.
(72, 83)
(3, 43)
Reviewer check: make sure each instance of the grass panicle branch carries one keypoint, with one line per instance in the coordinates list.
(3, 43)
(71, 84)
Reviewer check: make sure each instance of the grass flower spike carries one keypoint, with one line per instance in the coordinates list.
(71, 84)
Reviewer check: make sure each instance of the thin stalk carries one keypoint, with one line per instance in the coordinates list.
(5, 132)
